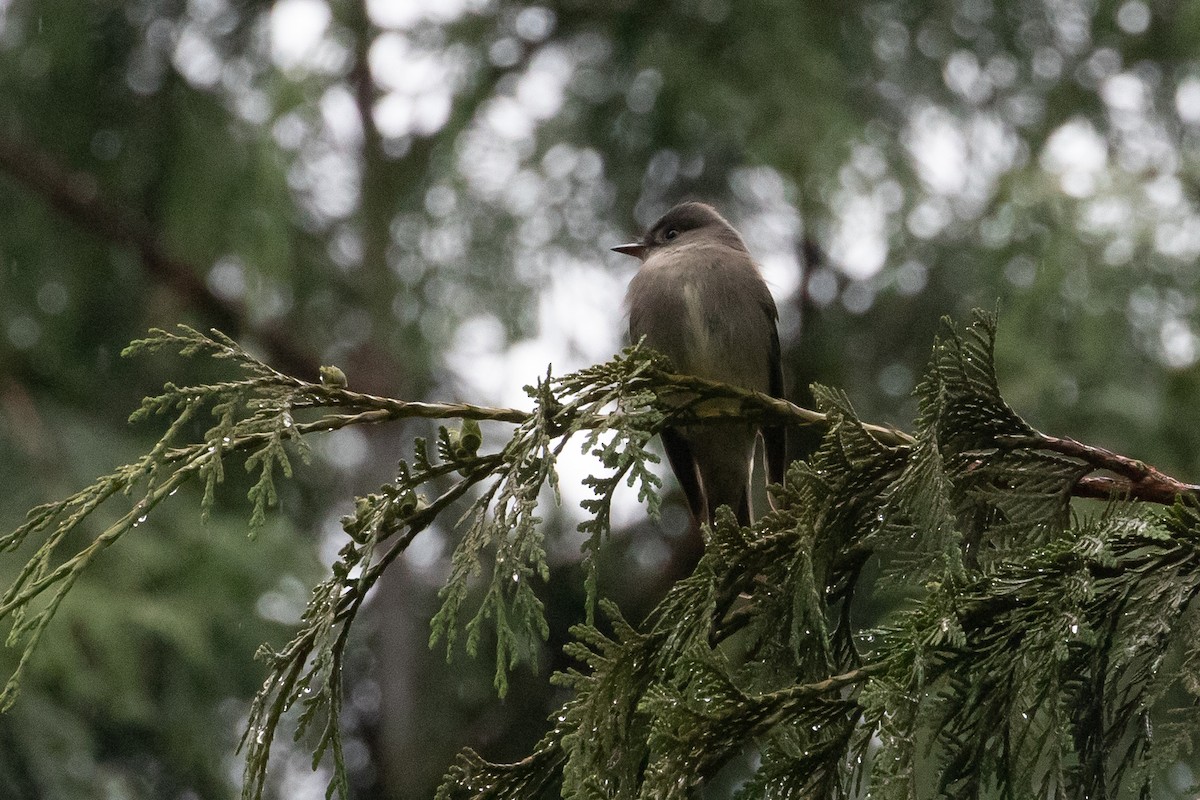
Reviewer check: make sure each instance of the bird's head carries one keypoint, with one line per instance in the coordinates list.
(686, 223)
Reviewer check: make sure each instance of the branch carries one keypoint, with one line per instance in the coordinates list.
(1134, 479)
(384, 409)
(760, 406)
(77, 196)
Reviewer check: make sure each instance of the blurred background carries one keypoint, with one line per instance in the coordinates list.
(424, 192)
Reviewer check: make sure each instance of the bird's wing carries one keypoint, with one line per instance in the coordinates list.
(775, 436)
(683, 464)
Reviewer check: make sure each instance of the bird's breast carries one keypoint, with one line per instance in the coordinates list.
(704, 307)
(707, 332)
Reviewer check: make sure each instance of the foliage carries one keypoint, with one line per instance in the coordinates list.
(1019, 666)
(1036, 643)
(260, 413)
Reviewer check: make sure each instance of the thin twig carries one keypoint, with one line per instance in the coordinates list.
(835, 682)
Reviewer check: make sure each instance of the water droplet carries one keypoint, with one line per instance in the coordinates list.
(173, 491)
(140, 519)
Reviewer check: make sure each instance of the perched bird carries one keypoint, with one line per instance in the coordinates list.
(699, 299)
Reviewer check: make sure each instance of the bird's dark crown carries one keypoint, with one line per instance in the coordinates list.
(688, 217)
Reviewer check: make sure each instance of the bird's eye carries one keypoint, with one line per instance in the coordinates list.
(671, 234)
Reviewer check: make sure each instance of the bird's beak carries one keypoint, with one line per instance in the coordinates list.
(635, 249)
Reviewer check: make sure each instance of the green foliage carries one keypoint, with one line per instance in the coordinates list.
(1030, 659)
(503, 519)
(153, 478)
(1036, 645)
(263, 412)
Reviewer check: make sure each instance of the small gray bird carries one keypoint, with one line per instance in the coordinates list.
(700, 300)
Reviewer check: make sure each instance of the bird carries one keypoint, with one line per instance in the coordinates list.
(699, 299)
